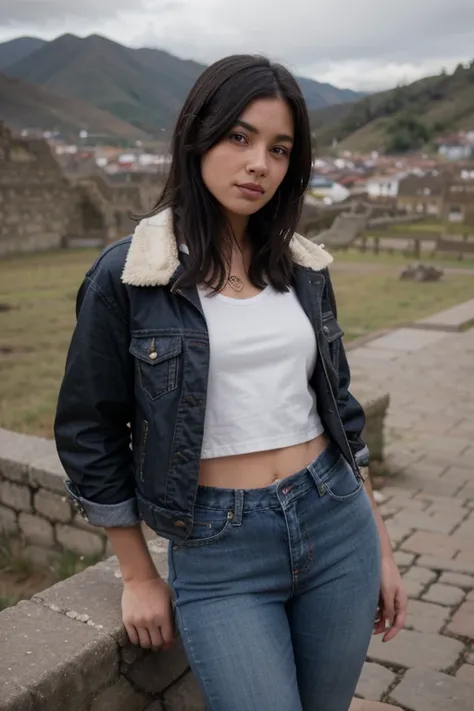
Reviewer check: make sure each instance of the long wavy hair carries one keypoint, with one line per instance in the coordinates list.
(212, 108)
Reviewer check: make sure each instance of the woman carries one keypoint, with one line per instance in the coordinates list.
(212, 333)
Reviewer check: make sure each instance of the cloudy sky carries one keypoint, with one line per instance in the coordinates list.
(359, 44)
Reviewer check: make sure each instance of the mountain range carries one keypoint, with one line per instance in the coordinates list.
(142, 88)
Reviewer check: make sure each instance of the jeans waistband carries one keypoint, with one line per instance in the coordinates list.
(293, 486)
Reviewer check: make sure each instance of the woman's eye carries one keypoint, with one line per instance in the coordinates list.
(237, 138)
(280, 151)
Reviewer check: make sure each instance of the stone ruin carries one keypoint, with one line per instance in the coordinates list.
(421, 272)
(43, 207)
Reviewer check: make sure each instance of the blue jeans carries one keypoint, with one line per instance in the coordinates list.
(276, 590)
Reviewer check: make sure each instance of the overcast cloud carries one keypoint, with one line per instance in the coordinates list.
(361, 44)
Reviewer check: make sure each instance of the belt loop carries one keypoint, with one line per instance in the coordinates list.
(238, 507)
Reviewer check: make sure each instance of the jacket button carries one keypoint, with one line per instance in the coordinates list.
(180, 524)
(154, 355)
(326, 330)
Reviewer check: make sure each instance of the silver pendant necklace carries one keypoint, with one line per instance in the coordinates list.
(235, 283)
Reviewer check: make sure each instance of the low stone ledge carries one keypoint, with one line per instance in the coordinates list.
(67, 649)
(18, 451)
(50, 661)
(375, 404)
(47, 473)
(94, 597)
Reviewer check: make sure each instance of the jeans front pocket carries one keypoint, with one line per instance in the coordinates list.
(340, 483)
(209, 526)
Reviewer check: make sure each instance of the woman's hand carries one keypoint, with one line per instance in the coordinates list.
(147, 613)
(392, 610)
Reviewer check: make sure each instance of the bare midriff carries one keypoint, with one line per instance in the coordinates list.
(259, 469)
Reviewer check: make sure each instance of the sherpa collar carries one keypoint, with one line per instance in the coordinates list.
(153, 255)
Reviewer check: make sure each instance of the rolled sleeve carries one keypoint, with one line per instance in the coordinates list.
(122, 515)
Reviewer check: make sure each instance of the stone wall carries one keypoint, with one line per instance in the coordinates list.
(35, 198)
(67, 649)
(41, 207)
(33, 504)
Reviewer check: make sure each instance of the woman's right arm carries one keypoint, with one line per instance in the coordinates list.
(95, 405)
(146, 599)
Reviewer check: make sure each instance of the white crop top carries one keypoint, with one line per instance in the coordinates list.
(262, 354)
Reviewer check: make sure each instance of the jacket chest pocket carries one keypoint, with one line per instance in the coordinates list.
(333, 334)
(157, 363)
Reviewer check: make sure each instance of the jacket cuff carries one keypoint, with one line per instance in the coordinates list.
(362, 456)
(122, 515)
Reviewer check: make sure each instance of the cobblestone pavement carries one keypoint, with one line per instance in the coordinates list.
(429, 511)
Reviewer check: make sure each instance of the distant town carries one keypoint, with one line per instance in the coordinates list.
(439, 185)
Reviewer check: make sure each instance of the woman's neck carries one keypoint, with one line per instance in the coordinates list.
(238, 225)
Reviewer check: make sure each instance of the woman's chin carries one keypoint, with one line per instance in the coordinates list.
(243, 209)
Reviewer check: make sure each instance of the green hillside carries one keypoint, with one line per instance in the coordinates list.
(405, 118)
(25, 106)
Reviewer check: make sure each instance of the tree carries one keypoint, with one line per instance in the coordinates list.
(407, 134)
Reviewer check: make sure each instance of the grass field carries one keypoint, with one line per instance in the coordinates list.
(398, 259)
(37, 300)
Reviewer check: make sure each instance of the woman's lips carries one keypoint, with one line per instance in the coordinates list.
(251, 192)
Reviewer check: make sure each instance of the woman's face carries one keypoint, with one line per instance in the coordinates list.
(244, 170)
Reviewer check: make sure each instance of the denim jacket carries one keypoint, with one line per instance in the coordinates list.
(130, 415)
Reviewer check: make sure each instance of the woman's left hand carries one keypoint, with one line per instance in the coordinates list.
(392, 610)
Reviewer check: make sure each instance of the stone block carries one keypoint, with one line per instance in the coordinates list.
(466, 673)
(119, 696)
(41, 556)
(158, 670)
(36, 529)
(462, 623)
(458, 580)
(47, 473)
(79, 541)
(442, 564)
(397, 532)
(15, 698)
(403, 560)
(416, 649)
(425, 522)
(408, 340)
(95, 593)
(8, 521)
(465, 556)
(374, 681)
(17, 451)
(444, 594)
(15, 496)
(58, 660)
(363, 705)
(425, 690)
(431, 543)
(185, 695)
(413, 589)
(52, 506)
(420, 575)
(455, 318)
(426, 617)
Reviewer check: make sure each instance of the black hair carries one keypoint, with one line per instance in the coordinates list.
(212, 108)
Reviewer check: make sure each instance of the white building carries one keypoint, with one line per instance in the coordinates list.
(384, 186)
